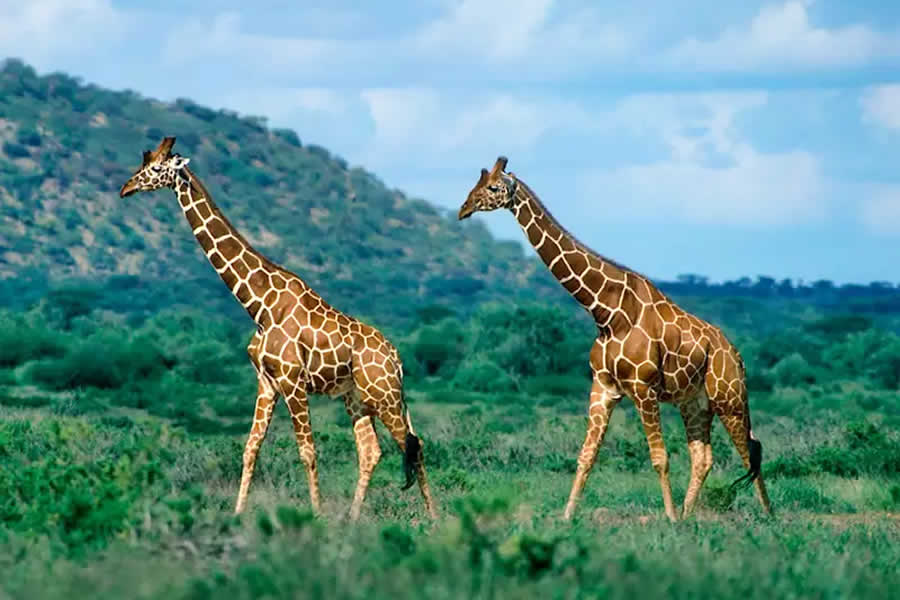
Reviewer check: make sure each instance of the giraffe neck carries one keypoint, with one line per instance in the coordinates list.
(595, 282)
(245, 271)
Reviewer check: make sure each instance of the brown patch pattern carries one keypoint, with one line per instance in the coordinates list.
(647, 347)
(302, 345)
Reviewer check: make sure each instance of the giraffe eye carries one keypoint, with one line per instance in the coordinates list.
(493, 188)
(156, 168)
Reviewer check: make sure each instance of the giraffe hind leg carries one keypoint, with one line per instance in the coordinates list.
(379, 383)
(750, 451)
(697, 422)
(413, 456)
(367, 449)
(396, 419)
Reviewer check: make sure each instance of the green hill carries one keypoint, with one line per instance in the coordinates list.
(65, 148)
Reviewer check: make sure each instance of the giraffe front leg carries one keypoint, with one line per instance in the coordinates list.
(603, 401)
(647, 403)
(697, 421)
(265, 405)
(298, 406)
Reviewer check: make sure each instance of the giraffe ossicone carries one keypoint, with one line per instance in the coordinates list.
(302, 344)
(647, 348)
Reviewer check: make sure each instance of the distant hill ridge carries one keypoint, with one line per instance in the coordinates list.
(65, 148)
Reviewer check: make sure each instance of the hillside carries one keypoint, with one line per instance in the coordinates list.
(65, 148)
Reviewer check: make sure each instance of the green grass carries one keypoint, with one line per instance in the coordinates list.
(125, 506)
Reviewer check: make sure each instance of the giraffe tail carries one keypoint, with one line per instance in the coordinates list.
(755, 448)
(412, 452)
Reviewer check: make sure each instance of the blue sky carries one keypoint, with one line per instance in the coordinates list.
(701, 136)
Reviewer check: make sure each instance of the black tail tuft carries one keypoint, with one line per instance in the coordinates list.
(411, 457)
(755, 466)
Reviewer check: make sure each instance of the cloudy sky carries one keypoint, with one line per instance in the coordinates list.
(700, 136)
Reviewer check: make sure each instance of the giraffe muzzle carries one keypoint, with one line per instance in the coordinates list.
(128, 189)
(465, 212)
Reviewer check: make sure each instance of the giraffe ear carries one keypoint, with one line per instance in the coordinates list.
(511, 184)
(499, 166)
(165, 148)
(148, 156)
(180, 162)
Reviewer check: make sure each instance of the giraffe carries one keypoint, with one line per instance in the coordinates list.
(301, 346)
(647, 348)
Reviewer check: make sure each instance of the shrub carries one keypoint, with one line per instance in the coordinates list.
(793, 371)
(24, 338)
(479, 374)
(101, 360)
(558, 385)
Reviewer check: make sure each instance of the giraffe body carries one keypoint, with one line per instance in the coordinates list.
(647, 348)
(302, 345)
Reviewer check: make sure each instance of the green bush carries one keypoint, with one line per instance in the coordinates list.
(794, 370)
(23, 338)
(101, 360)
(478, 374)
(570, 386)
(72, 492)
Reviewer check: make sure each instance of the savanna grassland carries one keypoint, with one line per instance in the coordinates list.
(126, 394)
(121, 439)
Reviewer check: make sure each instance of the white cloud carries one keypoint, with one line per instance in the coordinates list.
(535, 34)
(223, 38)
(881, 106)
(712, 173)
(757, 189)
(780, 37)
(541, 38)
(881, 210)
(424, 125)
(507, 33)
(282, 104)
(40, 31)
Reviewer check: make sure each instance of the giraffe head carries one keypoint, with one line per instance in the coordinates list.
(495, 189)
(157, 170)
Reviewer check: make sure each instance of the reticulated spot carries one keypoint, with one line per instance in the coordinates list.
(230, 247)
(252, 261)
(665, 311)
(259, 279)
(243, 293)
(229, 278)
(217, 228)
(204, 211)
(577, 262)
(217, 261)
(240, 267)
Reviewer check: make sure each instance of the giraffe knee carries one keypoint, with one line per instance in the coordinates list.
(373, 455)
(660, 462)
(701, 460)
(249, 458)
(308, 455)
